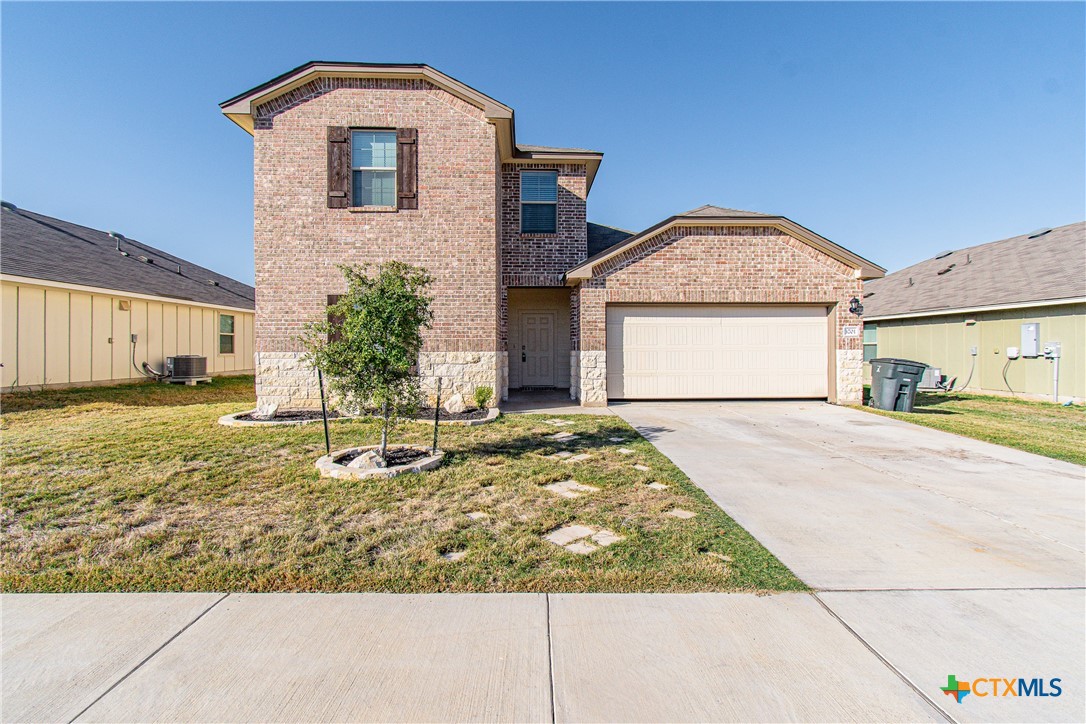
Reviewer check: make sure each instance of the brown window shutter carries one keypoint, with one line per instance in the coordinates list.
(339, 167)
(333, 320)
(407, 167)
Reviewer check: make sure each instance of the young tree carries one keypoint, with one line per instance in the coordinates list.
(368, 348)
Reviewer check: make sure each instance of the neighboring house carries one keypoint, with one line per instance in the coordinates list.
(73, 296)
(962, 310)
(357, 163)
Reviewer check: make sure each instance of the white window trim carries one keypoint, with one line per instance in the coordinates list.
(233, 335)
(539, 203)
(393, 169)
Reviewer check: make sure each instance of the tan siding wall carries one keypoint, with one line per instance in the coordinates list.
(944, 342)
(54, 336)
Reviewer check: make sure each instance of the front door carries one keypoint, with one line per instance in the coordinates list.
(537, 349)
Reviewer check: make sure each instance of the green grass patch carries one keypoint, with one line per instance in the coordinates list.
(136, 488)
(1037, 427)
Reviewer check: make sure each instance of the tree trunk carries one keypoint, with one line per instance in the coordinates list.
(384, 434)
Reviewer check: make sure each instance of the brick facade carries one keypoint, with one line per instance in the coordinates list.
(540, 260)
(466, 231)
(299, 241)
(718, 265)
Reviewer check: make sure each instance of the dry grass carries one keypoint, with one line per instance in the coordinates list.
(1037, 427)
(138, 488)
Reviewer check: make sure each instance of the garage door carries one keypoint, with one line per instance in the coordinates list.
(716, 351)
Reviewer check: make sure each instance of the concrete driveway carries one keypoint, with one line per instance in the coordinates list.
(944, 555)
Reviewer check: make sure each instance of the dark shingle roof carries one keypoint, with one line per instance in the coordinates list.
(710, 210)
(1010, 271)
(41, 247)
(530, 148)
(602, 237)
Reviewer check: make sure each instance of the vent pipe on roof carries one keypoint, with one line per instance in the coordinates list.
(1038, 233)
(117, 236)
(8, 206)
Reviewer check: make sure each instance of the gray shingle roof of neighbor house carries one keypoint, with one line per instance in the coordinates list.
(718, 215)
(36, 246)
(1018, 270)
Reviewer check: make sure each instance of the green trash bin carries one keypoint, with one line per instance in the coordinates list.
(893, 383)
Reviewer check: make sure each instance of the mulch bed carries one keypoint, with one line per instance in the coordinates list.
(292, 415)
(396, 456)
(477, 413)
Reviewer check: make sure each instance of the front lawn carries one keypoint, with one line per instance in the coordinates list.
(1037, 427)
(136, 488)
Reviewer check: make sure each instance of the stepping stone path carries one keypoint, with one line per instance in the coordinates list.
(582, 539)
(618, 439)
(570, 488)
(577, 458)
(721, 556)
(557, 423)
(642, 468)
(680, 513)
(563, 436)
(453, 556)
(561, 455)
(658, 486)
(625, 451)
(478, 515)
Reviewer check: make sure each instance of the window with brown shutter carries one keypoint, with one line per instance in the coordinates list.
(334, 320)
(339, 167)
(407, 160)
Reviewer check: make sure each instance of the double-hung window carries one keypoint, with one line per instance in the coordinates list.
(226, 334)
(539, 202)
(871, 347)
(373, 168)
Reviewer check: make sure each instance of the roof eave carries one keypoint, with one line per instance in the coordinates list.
(591, 160)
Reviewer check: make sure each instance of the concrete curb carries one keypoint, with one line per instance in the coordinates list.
(329, 468)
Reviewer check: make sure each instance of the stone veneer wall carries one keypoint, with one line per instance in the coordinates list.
(718, 265)
(592, 378)
(299, 241)
(460, 372)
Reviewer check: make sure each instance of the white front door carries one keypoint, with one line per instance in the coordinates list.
(537, 349)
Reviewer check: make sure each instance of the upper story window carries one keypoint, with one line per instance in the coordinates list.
(539, 202)
(373, 168)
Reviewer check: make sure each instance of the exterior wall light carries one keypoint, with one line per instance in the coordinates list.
(855, 307)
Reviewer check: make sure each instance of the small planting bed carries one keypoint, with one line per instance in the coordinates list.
(399, 459)
(474, 416)
(282, 417)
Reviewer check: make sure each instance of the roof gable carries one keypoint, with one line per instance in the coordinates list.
(1009, 271)
(41, 247)
(709, 215)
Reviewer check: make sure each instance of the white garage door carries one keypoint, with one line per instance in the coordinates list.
(716, 351)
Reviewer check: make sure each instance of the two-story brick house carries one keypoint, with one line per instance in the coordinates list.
(357, 163)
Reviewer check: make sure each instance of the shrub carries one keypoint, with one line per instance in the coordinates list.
(482, 396)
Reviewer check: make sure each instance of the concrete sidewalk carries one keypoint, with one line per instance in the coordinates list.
(383, 657)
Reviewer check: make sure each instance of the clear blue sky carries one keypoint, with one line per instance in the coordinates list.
(896, 130)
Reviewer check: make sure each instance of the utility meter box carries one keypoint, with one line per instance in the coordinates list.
(1031, 336)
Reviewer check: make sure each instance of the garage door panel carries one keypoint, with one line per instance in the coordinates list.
(707, 351)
